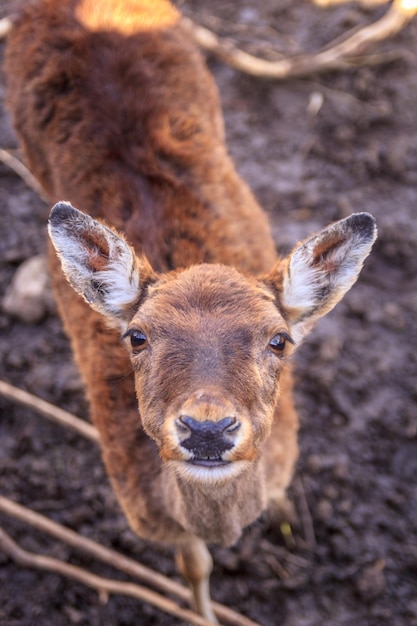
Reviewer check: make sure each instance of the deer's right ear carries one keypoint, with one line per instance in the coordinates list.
(98, 262)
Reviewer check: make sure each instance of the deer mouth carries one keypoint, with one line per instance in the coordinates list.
(209, 471)
(217, 462)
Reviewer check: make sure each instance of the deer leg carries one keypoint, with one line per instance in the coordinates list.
(195, 563)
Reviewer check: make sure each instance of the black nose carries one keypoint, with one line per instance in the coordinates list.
(208, 439)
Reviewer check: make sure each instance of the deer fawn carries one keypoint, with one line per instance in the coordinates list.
(182, 319)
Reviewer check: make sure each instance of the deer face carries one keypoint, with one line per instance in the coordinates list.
(207, 344)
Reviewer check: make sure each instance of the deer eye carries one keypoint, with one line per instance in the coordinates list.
(278, 343)
(138, 339)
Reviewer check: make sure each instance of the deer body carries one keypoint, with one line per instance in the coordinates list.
(118, 114)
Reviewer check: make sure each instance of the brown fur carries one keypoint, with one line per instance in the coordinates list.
(128, 127)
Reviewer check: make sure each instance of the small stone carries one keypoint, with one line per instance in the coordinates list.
(372, 582)
(393, 317)
(315, 102)
(28, 296)
(74, 616)
(314, 463)
(249, 15)
(345, 506)
(325, 510)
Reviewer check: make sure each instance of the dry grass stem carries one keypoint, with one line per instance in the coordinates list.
(114, 559)
(324, 4)
(347, 53)
(93, 549)
(50, 411)
(103, 586)
(335, 56)
(21, 170)
(106, 555)
(306, 518)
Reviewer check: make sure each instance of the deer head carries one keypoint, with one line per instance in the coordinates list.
(207, 344)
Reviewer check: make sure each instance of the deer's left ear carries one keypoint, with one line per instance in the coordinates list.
(318, 273)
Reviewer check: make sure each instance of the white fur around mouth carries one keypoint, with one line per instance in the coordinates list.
(210, 473)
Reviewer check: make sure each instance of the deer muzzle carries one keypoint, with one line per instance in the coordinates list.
(207, 440)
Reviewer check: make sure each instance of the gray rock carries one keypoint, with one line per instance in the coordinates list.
(28, 297)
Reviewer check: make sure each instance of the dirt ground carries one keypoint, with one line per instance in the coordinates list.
(352, 558)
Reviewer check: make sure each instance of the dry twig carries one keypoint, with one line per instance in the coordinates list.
(21, 170)
(106, 555)
(336, 56)
(104, 586)
(343, 55)
(330, 3)
(49, 410)
(307, 520)
(113, 558)
(92, 548)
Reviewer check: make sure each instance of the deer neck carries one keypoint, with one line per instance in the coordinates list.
(216, 514)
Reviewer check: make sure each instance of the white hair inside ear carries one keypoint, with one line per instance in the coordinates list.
(98, 262)
(323, 268)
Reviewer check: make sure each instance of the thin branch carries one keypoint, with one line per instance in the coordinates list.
(21, 170)
(93, 549)
(334, 57)
(103, 586)
(330, 3)
(107, 555)
(49, 410)
(113, 558)
(306, 517)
